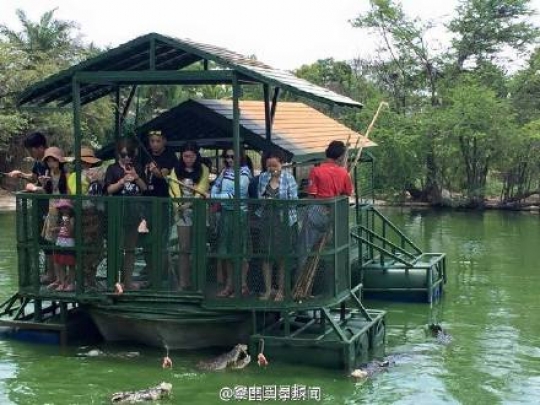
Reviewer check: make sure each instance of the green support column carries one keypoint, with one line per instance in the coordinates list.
(76, 95)
(267, 117)
(117, 123)
(236, 146)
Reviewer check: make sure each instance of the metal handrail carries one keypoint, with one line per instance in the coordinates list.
(404, 251)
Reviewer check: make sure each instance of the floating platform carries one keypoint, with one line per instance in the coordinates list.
(389, 265)
(343, 337)
(422, 280)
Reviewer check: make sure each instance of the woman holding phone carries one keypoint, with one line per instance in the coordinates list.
(124, 179)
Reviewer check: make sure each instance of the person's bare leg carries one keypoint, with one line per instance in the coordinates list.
(245, 270)
(267, 275)
(129, 258)
(50, 271)
(70, 279)
(220, 273)
(229, 289)
(61, 275)
(280, 294)
(184, 266)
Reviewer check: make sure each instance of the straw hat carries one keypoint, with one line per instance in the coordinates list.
(63, 203)
(55, 153)
(88, 155)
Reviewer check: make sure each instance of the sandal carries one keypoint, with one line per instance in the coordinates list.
(245, 291)
(279, 296)
(53, 285)
(266, 296)
(226, 292)
(60, 287)
(69, 287)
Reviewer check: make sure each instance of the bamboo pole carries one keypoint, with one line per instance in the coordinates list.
(181, 183)
(370, 127)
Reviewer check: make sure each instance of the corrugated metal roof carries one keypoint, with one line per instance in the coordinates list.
(298, 129)
(170, 54)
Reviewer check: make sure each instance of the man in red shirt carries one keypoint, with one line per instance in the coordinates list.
(328, 180)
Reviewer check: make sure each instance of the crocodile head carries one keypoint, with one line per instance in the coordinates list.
(237, 358)
(242, 357)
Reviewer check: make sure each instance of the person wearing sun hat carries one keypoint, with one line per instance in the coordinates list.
(54, 181)
(88, 161)
(92, 212)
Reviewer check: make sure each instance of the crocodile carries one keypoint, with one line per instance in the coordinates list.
(161, 391)
(440, 334)
(237, 358)
(372, 368)
(100, 353)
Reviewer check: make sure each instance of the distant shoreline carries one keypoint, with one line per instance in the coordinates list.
(7, 201)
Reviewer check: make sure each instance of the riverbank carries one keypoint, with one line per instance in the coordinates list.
(7, 201)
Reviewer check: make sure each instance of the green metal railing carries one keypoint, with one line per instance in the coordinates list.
(155, 264)
(379, 239)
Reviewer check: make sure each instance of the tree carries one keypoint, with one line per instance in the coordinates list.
(478, 125)
(525, 88)
(47, 38)
(483, 28)
(41, 49)
(413, 69)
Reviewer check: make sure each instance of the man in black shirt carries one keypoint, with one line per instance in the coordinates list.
(158, 164)
(35, 143)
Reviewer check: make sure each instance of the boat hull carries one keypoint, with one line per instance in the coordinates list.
(175, 333)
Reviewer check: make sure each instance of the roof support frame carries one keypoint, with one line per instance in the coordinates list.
(129, 100)
(76, 95)
(274, 103)
(267, 120)
(158, 77)
(152, 61)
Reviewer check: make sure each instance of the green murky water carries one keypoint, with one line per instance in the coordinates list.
(490, 307)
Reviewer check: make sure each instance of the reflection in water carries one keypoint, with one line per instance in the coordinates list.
(489, 308)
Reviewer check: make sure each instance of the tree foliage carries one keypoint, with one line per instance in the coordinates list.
(458, 120)
(484, 28)
(460, 108)
(37, 51)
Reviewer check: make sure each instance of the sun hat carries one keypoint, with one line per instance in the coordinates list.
(63, 203)
(88, 155)
(55, 153)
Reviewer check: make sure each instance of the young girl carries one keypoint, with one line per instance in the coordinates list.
(64, 260)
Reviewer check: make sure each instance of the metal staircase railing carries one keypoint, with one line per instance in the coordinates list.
(379, 240)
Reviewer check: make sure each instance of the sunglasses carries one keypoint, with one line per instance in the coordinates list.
(125, 155)
(229, 156)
